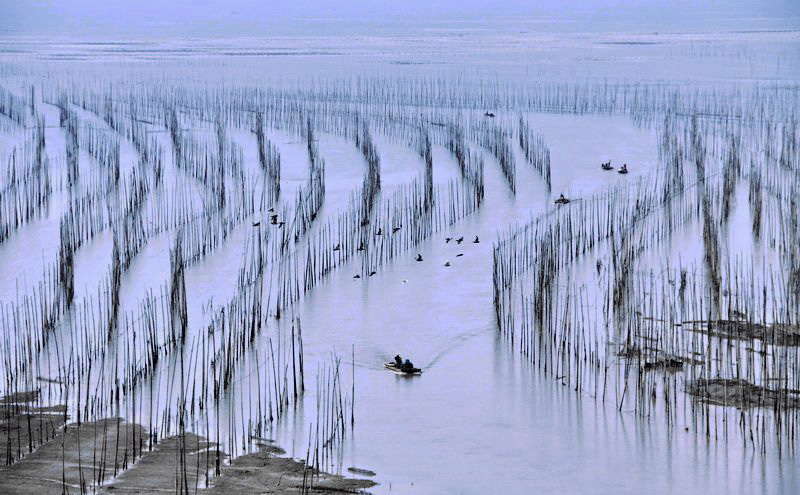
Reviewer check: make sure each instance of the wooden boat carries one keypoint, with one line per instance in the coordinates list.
(394, 369)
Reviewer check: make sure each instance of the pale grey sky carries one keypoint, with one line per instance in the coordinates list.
(265, 17)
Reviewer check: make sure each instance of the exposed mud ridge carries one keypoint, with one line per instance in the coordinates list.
(77, 458)
(650, 358)
(361, 471)
(24, 427)
(741, 394)
(776, 334)
(265, 472)
(20, 397)
(180, 463)
(112, 456)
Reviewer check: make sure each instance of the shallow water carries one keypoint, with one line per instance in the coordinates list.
(479, 420)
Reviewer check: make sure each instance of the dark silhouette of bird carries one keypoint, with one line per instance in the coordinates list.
(338, 247)
(489, 114)
(447, 239)
(419, 257)
(446, 263)
(395, 229)
(273, 219)
(459, 240)
(459, 255)
(380, 231)
(372, 273)
(476, 241)
(360, 247)
(281, 224)
(271, 209)
(356, 276)
(256, 224)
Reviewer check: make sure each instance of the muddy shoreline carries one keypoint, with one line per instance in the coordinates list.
(44, 456)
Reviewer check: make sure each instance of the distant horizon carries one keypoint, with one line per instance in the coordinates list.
(246, 18)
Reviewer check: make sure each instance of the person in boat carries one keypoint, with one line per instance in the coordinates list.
(398, 361)
(407, 366)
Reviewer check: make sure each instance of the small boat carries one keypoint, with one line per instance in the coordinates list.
(607, 166)
(562, 200)
(394, 369)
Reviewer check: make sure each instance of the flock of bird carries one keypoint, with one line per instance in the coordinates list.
(273, 217)
(419, 257)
